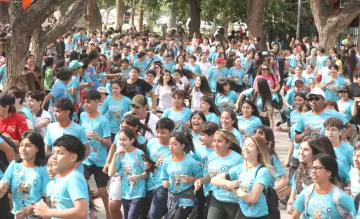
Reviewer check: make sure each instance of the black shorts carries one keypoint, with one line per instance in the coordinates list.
(101, 178)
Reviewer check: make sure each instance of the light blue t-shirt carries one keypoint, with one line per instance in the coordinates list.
(68, 189)
(322, 205)
(28, 113)
(179, 117)
(77, 36)
(292, 80)
(94, 78)
(98, 151)
(247, 179)
(141, 66)
(212, 117)
(222, 164)
(195, 68)
(58, 91)
(131, 164)
(278, 169)
(27, 184)
(168, 66)
(214, 75)
(321, 62)
(116, 110)
(69, 46)
(223, 100)
(344, 154)
(296, 146)
(316, 121)
(345, 108)
(248, 126)
(155, 150)
(55, 131)
(294, 117)
(173, 171)
(332, 95)
(3, 74)
(74, 83)
(238, 136)
(237, 74)
(355, 184)
(246, 65)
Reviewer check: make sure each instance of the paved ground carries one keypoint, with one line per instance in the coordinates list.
(282, 143)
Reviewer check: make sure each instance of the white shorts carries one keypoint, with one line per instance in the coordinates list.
(115, 188)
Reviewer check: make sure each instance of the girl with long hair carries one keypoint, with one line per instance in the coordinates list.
(19, 177)
(352, 61)
(248, 120)
(209, 108)
(128, 162)
(248, 180)
(179, 172)
(229, 122)
(196, 120)
(165, 86)
(200, 89)
(225, 98)
(223, 203)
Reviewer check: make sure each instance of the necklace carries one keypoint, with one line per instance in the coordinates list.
(323, 192)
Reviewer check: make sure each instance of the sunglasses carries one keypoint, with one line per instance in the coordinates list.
(265, 69)
(316, 98)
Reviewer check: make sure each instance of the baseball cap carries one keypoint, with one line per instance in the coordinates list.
(299, 83)
(343, 88)
(316, 91)
(75, 64)
(139, 100)
(220, 60)
(102, 90)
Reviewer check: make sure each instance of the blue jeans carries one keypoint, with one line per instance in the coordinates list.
(132, 208)
(159, 203)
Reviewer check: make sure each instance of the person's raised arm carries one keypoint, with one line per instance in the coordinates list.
(46, 99)
(349, 130)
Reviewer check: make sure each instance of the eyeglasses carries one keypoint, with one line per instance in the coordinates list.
(265, 69)
(317, 168)
(316, 98)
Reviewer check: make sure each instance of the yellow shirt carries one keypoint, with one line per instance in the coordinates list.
(339, 64)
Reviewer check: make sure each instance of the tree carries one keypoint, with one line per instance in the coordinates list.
(4, 14)
(330, 26)
(194, 25)
(41, 38)
(93, 16)
(255, 17)
(23, 23)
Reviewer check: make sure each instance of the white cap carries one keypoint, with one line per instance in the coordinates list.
(316, 91)
(102, 90)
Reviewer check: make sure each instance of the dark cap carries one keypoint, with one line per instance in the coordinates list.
(343, 88)
(299, 83)
(139, 100)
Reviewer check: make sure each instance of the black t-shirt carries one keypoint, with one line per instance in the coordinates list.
(139, 87)
(354, 90)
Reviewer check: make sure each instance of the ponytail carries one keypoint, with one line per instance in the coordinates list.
(186, 139)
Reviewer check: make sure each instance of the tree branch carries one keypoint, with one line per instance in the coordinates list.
(321, 10)
(35, 15)
(67, 22)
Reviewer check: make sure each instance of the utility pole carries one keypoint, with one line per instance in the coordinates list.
(298, 21)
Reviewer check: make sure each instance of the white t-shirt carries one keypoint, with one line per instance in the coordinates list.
(153, 119)
(204, 66)
(205, 48)
(195, 99)
(42, 114)
(164, 95)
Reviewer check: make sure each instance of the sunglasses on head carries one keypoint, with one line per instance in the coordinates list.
(316, 98)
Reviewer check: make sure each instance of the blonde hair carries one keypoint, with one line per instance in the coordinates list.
(230, 138)
(264, 155)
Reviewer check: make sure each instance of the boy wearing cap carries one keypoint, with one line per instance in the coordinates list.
(345, 105)
(217, 72)
(311, 123)
(73, 86)
(139, 107)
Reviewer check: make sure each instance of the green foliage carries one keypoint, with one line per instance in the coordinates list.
(235, 10)
(105, 4)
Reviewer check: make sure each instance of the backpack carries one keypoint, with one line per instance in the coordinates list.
(344, 213)
(272, 200)
(3, 160)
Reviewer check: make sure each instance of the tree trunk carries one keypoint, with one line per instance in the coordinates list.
(358, 43)
(172, 18)
(141, 20)
(226, 25)
(194, 26)
(255, 17)
(4, 12)
(38, 46)
(119, 5)
(132, 19)
(107, 13)
(330, 26)
(64, 7)
(93, 16)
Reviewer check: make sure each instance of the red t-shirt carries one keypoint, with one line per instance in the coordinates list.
(14, 125)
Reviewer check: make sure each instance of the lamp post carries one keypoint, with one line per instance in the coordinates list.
(298, 21)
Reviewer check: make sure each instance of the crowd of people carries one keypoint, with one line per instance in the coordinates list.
(180, 127)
